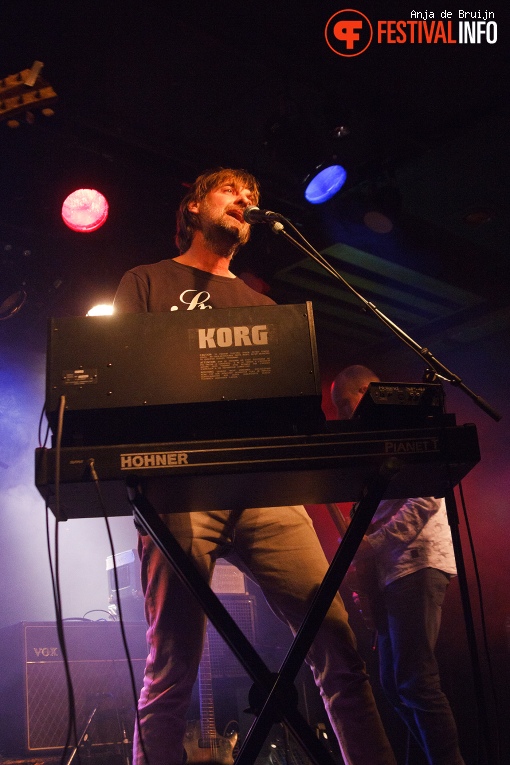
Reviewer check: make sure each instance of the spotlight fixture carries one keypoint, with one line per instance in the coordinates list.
(479, 216)
(340, 131)
(378, 222)
(12, 304)
(85, 210)
(324, 183)
(102, 309)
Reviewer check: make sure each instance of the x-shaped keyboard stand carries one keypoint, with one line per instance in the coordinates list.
(274, 694)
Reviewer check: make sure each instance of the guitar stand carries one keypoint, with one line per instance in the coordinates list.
(84, 736)
(274, 695)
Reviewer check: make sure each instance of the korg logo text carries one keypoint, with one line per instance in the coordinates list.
(153, 460)
(225, 337)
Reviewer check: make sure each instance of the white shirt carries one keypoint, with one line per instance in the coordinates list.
(410, 534)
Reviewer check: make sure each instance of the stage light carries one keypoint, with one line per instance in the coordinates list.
(103, 309)
(85, 210)
(378, 222)
(12, 304)
(324, 183)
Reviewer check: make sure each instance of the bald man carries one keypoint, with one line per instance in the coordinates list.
(410, 543)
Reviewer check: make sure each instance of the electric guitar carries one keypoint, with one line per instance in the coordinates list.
(201, 742)
(23, 93)
(361, 577)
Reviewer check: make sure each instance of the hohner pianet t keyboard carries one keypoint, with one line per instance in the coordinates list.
(205, 475)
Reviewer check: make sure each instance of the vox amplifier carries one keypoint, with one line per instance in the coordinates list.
(33, 689)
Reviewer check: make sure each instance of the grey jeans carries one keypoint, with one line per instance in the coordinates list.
(278, 548)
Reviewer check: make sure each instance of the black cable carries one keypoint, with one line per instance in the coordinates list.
(39, 429)
(95, 478)
(96, 611)
(483, 622)
(54, 564)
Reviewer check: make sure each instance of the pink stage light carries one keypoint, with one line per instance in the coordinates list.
(85, 210)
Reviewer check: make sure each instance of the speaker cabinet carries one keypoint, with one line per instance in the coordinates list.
(223, 662)
(227, 582)
(127, 565)
(33, 688)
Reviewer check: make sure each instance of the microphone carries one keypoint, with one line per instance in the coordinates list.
(253, 214)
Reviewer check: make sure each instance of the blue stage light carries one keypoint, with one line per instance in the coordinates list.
(325, 184)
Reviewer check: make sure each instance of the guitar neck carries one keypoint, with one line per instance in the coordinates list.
(338, 518)
(207, 716)
(25, 92)
(364, 584)
(202, 743)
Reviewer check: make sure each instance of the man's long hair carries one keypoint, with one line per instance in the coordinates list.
(188, 222)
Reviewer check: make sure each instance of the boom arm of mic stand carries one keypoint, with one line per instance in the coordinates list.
(424, 353)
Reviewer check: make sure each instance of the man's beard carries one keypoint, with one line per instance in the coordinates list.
(223, 237)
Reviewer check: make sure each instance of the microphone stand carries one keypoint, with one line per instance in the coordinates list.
(437, 367)
(434, 369)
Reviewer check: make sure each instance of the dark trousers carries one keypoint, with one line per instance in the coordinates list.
(408, 629)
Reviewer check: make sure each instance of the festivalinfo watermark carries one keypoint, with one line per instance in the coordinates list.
(349, 32)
